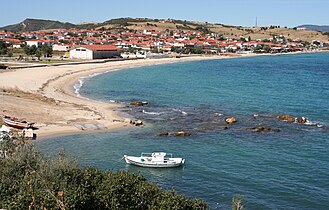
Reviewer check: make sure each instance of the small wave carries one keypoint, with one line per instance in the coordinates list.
(317, 124)
(77, 86)
(181, 111)
(310, 123)
(152, 113)
(218, 114)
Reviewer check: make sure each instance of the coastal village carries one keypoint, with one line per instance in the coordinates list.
(122, 42)
(253, 128)
(60, 46)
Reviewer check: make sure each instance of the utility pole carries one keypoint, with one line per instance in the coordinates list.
(256, 23)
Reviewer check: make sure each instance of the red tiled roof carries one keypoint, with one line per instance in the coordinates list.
(40, 40)
(14, 41)
(100, 47)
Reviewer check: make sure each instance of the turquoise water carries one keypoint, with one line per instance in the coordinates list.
(276, 170)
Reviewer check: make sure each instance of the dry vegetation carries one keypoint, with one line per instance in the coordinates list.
(226, 30)
(26, 95)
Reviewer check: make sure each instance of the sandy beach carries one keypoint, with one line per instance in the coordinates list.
(45, 95)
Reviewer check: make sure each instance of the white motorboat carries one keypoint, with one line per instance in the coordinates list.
(155, 160)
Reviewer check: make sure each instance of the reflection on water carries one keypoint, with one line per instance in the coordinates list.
(157, 175)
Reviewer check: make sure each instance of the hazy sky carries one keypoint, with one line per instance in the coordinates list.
(234, 12)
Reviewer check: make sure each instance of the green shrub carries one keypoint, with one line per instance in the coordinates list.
(29, 180)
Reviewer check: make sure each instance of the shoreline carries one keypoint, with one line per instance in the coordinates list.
(61, 111)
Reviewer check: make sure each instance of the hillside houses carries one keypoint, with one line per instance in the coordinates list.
(148, 41)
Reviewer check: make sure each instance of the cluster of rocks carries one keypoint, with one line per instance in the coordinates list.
(290, 119)
(133, 122)
(228, 121)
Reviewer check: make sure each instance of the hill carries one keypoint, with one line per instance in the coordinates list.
(205, 27)
(36, 25)
(139, 24)
(315, 28)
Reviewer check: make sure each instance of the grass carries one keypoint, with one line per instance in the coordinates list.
(53, 61)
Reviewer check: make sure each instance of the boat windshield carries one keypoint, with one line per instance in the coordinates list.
(157, 154)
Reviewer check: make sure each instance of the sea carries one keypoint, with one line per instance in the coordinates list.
(285, 166)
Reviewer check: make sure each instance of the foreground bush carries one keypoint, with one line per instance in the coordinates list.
(31, 181)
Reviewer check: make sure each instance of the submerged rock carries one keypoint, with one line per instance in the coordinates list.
(287, 118)
(164, 134)
(139, 103)
(223, 127)
(179, 133)
(231, 120)
(263, 128)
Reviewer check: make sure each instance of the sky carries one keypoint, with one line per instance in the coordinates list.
(288, 13)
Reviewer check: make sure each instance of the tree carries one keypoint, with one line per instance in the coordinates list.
(266, 48)
(3, 48)
(30, 50)
(46, 50)
(258, 48)
(38, 54)
(197, 51)
(193, 36)
(64, 41)
(243, 39)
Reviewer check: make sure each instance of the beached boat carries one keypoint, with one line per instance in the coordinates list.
(155, 160)
(16, 123)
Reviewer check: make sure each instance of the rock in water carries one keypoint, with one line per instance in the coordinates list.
(181, 133)
(138, 123)
(138, 103)
(231, 120)
(301, 120)
(287, 118)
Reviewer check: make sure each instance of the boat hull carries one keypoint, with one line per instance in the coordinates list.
(143, 162)
(15, 124)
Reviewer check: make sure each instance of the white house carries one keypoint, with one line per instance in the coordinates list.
(64, 48)
(39, 43)
(16, 46)
(94, 52)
